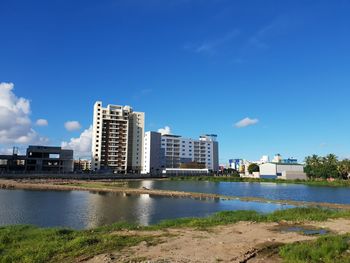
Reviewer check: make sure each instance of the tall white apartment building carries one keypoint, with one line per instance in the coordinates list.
(117, 139)
(173, 151)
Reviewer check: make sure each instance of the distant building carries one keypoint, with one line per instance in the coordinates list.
(282, 171)
(277, 158)
(184, 171)
(237, 164)
(49, 159)
(265, 159)
(176, 152)
(117, 141)
(82, 165)
(13, 162)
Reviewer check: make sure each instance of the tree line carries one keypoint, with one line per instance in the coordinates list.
(327, 167)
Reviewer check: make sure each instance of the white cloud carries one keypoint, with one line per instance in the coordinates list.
(72, 125)
(80, 145)
(42, 122)
(246, 122)
(15, 123)
(165, 130)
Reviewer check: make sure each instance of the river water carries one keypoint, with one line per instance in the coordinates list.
(296, 192)
(83, 209)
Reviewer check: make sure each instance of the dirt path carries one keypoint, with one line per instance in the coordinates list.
(241, 242)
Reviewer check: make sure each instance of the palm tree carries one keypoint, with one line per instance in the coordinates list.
(344, 168)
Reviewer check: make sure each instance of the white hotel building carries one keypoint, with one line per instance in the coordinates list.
(117, 140)
(171, 151)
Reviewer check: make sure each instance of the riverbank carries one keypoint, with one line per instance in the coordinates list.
(232, 236)
(311, 182)
(121, 187)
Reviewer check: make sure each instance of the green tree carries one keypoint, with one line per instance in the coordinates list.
(253, 168)
(344, 169)
(313, 164)
(322, 167)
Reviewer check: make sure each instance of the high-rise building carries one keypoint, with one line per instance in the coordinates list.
(117, 140)
(173, 151)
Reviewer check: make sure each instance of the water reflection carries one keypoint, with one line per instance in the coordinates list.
(78, 209)
(297, 192)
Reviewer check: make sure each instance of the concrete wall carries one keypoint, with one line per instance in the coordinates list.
(293, 175)
(290, 168)
(268, 169)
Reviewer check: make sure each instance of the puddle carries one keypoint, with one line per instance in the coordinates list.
(303, 229)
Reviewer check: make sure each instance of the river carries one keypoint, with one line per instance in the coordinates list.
(84, 209)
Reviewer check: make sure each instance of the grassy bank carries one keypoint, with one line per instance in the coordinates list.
(327, 249)
(299, 214)
(33, 244)
(336, 183)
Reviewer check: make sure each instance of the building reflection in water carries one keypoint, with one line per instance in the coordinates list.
(144, 209)
(108, 208)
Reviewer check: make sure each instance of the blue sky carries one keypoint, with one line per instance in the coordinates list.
(195, 66)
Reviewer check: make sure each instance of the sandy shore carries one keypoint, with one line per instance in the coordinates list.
(120, 187)
(241, 242)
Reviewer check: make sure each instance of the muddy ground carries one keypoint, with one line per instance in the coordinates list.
(241, 242)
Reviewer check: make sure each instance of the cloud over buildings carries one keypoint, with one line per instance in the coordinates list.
(80, 145)
(246, 122)
(164, 131)
(15, 122)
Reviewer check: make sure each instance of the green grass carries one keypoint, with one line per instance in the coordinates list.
(33, 244)
(336, 183)
(299, 215)
(327, 249)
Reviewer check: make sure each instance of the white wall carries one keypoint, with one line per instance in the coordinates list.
(274, 169)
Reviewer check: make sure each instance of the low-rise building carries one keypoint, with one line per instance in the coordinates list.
(282, 171)
(12, 163)
(184, 171)
(49, 159)
(82, 165)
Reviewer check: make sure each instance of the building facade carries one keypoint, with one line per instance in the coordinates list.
(276, 170)
(13, 163)
(173, 151)
(117, 141)
(49, 159)
(82, 165)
